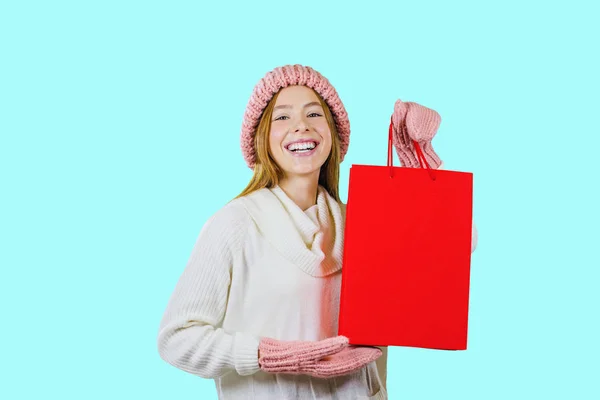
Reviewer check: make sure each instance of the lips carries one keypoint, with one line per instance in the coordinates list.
(301, 146)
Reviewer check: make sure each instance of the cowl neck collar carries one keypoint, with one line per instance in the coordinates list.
(317, 249)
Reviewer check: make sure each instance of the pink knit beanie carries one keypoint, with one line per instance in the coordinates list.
(270, 84)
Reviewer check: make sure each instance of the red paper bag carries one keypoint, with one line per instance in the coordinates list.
(407, 256)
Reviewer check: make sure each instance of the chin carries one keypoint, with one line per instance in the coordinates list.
(301, 166)
(304, 169)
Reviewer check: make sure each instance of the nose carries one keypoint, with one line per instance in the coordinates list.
(301, 126)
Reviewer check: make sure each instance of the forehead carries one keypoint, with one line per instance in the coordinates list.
(296, 94)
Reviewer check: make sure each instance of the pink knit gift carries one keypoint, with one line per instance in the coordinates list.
(412, 121)
(281, 77)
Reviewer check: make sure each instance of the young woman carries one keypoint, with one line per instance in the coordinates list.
(256, 308)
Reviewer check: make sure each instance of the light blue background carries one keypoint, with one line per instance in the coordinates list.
(120, 126)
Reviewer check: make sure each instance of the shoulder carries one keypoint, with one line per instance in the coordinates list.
(231, 216)
(257, 198)
(241, 212)
(258, 205)
(227, 227)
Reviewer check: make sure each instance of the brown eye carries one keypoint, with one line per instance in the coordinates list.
(317, 114)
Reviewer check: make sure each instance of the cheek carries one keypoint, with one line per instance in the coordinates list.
(323, 128)
(327, 146)
(275, 138)
(325, 133)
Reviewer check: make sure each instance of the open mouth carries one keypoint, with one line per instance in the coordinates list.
(302, 147)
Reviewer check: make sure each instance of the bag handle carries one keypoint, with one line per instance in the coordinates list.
(420, 155)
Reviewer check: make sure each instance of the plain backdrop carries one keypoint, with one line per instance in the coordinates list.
(120, 123)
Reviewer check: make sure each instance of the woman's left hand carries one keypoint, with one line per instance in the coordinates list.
(350, 359)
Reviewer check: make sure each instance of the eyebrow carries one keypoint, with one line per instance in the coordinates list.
(314, 103)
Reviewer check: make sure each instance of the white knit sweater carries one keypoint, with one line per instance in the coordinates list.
(261, 267)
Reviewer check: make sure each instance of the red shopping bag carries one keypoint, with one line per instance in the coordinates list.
(407, 256)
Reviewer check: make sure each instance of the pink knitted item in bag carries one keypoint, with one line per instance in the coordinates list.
(281, 77)
(412, 121)
(324, 358)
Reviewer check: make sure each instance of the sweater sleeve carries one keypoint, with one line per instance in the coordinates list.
(190, 337)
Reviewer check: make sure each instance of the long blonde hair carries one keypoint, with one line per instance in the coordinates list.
(267, 173)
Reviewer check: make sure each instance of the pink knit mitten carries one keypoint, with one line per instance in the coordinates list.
(346, 361)
(412, 121)
(324, 358)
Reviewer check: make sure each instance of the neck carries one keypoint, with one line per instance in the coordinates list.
(301, 189)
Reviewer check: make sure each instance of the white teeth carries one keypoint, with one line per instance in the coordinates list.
(302, 146)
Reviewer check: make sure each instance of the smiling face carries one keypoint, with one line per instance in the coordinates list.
(300, 137)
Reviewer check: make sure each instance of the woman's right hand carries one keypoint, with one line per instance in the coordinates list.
(322, 359)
